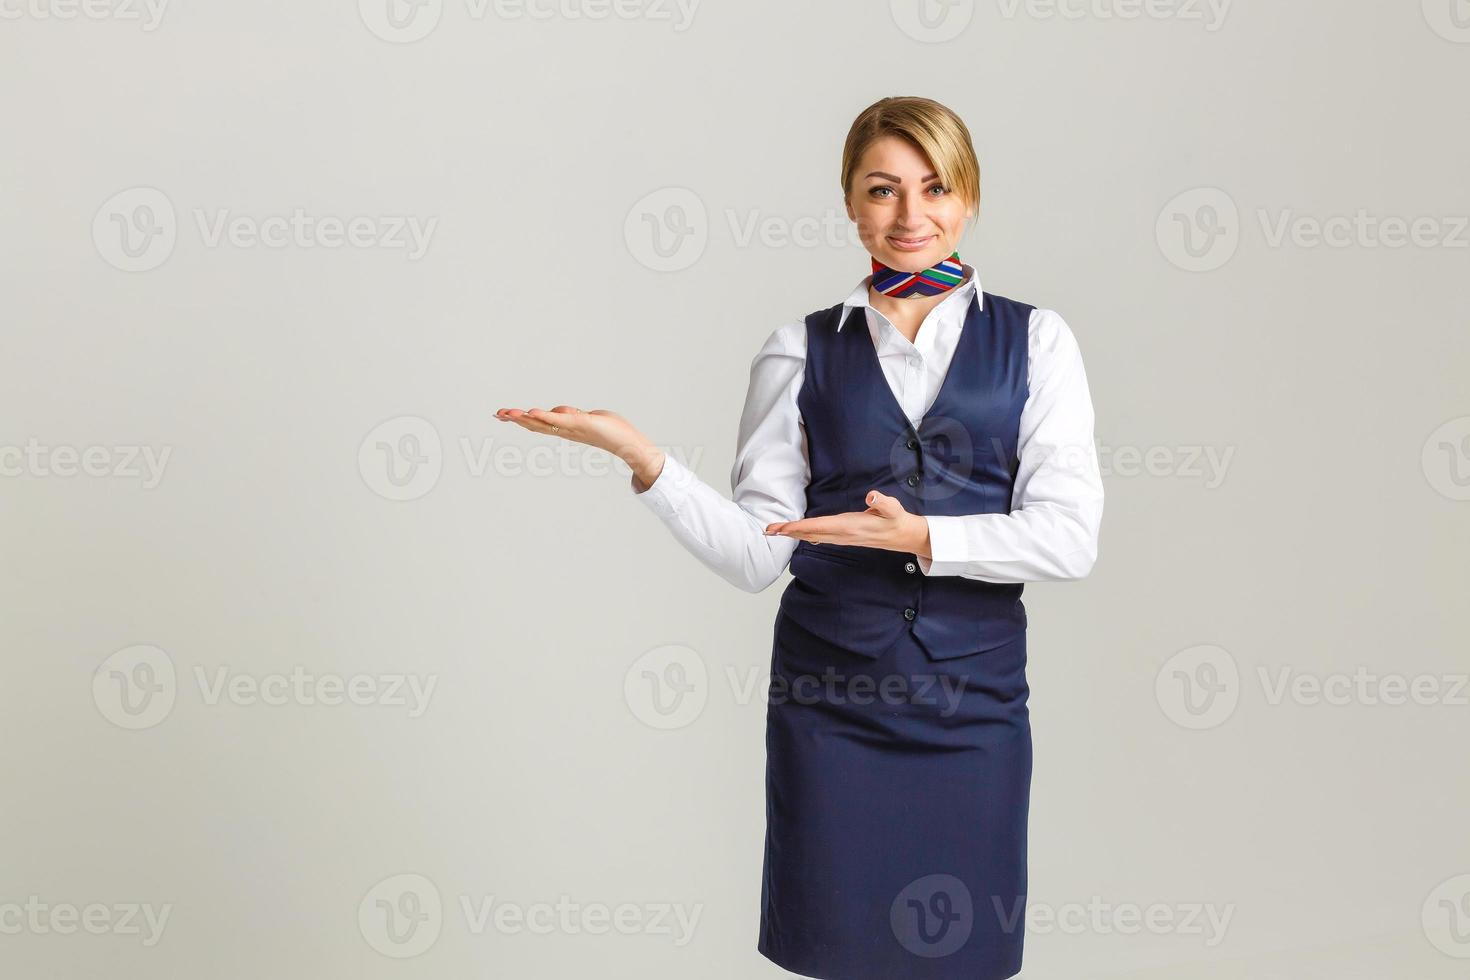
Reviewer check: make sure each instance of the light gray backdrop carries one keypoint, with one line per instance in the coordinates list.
(313, 669)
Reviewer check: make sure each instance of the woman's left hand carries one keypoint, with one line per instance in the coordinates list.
(885, 524)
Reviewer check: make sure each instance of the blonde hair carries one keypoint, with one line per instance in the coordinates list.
(931, 127)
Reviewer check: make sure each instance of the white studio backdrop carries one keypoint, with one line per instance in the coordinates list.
(313, 669)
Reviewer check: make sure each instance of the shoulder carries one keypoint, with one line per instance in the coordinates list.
(1046, 330)
(1050, 333)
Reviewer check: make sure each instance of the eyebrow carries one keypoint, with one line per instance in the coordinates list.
(899, 180)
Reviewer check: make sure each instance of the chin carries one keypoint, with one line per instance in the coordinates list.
(913, 261)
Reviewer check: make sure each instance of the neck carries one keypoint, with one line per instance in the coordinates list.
(907, 313)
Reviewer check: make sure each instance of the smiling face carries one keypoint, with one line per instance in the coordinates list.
(906, 217)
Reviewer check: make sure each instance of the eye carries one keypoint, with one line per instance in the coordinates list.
(881, 187)
(939, 187)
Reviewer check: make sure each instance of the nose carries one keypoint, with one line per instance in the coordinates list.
(908, 213)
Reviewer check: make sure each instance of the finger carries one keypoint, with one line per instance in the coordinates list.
(556, 423)
(808, 529)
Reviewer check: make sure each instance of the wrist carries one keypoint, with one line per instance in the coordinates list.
(919, 535)
(646, 464)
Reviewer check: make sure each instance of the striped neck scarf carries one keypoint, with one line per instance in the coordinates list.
(930, 282)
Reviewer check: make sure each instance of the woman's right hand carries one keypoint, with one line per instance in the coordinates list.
(598, 428)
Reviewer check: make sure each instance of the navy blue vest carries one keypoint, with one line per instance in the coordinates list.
(961, 460)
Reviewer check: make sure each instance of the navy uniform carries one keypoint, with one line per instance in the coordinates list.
(898, 741)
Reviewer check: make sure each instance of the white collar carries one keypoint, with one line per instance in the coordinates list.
(960, 294)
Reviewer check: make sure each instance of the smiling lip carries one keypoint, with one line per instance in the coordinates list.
(910, 244)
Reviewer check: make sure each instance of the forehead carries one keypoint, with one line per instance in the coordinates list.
(894, 154)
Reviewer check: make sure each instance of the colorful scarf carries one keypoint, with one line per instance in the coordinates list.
(930, 282)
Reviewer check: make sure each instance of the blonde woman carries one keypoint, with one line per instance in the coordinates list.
(915, 453)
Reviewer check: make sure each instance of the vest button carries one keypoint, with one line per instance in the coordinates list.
(913, 480)
(912, 443)
(910, 567)
(909, 614)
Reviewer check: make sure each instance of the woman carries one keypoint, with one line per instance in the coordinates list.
(915, 454)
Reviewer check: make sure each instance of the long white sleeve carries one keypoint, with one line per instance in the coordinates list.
(768, 479)
(1051, 532)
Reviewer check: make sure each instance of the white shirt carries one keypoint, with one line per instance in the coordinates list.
(1051, 532)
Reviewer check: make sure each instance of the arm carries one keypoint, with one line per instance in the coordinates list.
(1052, 530)
(768, 479)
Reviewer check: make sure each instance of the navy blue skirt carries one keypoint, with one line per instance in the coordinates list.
(897, 792)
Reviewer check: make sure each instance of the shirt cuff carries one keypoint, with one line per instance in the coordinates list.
(668, 490)
(946, 547)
